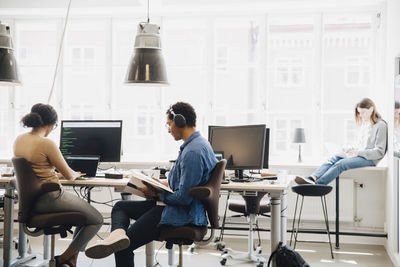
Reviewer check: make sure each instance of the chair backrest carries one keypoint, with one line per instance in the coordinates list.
(29, 188)
(209, 193)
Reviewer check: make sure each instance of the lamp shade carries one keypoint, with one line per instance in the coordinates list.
(298, 136)
(8, 64)
(147, 66)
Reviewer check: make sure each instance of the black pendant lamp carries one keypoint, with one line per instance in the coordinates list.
(147, 66)
(8, 64)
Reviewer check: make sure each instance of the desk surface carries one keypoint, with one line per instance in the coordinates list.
(103, 182)
(96, 182)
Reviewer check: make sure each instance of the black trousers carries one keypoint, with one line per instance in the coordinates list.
(145, 229)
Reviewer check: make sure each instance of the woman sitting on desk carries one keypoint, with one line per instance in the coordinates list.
(370, 149)
(45, 157)
(193, 167)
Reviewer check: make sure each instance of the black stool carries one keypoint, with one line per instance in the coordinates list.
(311, 190)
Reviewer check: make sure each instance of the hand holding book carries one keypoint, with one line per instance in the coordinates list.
(143, 185)
(150, 192)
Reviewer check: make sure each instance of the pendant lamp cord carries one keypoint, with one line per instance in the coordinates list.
(148, 8)
(59, 52)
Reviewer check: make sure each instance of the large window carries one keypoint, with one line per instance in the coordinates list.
(285, 70)
(348, 54)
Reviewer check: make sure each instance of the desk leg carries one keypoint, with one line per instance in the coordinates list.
(8, 224)
(150, 254)
(283, 216)
(337, 213)
(149, 250)
(275, 221)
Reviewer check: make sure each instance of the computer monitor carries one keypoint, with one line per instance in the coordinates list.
(92, 137)
(266, 145)
(242, 146)
(266, 149)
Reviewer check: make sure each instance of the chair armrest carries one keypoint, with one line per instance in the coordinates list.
(49, 187)
(200, 192)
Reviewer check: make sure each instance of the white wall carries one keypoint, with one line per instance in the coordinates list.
(393, 50)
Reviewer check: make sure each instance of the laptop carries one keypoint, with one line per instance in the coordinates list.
(84, 164)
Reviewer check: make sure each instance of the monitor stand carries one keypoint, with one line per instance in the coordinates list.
(239, 176)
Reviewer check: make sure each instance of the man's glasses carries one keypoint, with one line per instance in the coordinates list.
(55, 126)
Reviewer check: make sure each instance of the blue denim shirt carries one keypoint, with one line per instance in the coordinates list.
(193, 166)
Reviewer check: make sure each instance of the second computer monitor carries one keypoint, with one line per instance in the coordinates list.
(92, 137)
(242, 146)
(266, 145)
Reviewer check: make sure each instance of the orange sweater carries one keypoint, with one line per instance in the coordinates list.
(44, 156)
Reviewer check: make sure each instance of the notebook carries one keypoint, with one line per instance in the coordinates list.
(84, 164)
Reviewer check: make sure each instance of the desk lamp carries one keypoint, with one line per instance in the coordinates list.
(8, 64)
(299, 138)
(147, 66)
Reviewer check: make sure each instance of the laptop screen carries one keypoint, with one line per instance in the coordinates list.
(84, 164)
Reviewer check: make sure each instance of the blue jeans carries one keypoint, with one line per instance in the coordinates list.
(145, 229)
(328, 171)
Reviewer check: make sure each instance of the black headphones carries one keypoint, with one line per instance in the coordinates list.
(178, 119)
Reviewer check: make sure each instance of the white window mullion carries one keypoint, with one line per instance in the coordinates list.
(317, 130)
(110, 93)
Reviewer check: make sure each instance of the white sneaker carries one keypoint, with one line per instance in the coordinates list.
(306, 180)
(117, 241)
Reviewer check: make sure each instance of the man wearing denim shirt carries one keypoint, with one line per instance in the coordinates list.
(193, 166)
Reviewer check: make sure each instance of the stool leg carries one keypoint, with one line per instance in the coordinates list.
(298, 222)
(325, 210)
(180, 256)
(294, 220)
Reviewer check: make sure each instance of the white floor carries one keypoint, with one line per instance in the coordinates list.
(316, 254)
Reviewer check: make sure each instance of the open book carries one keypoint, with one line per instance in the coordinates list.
(137, 179)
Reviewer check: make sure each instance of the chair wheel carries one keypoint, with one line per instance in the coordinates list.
(223, 262)
(191, 249)
(261, 264)
(220, 247)
(260, 251)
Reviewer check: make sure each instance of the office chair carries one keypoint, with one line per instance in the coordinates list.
(30, 188)
(311, 190)
(209, 196)
(250, 206)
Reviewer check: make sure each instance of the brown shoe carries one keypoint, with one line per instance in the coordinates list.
(306, 180)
